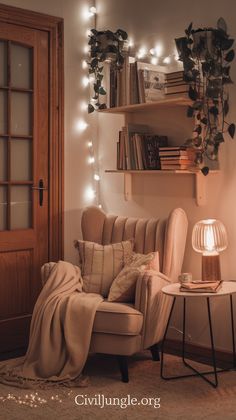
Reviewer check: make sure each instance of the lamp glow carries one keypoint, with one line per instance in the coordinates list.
(154, 60)
(81, 125)
(85, 81)
(96, 177)
(91, 159)
(209, 237)
(167, 60)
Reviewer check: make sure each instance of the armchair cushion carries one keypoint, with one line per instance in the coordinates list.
(123, 287)
(100, 264)
(117, 318)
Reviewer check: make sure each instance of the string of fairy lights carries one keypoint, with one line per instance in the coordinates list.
(154, 56)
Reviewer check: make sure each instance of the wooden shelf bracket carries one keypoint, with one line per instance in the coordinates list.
(128, 186)
(200, 189)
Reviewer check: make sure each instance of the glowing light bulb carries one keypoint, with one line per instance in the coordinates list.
(131, 43)
(154, 60)
(90, 144)
(86, 49)
(85, 81)
(158, 49)
(93, 10)
(91, 159)
(81, 125)
(83, 106)
(84, 64)
(96, 177)
(142, 52)
(167, 60)
(89, 193)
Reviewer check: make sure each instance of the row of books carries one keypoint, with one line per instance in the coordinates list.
(177, 158)
(138, 148)
(140, 82)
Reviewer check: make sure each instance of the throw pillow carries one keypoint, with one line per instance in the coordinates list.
(101, 264)
(123, 287)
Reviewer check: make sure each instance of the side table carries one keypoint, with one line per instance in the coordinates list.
(228, 288)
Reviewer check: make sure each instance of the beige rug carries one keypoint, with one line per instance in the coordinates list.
(190, 398)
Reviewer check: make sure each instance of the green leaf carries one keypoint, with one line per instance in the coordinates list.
(190, 111)
(231, 130)
(94, 62)
(189, 29)
(214, 111)
(219, 138)
(226, 44)
(90, 108)
(198, 129)
(204, 120)
(192, 93)
(205, 170)
(229, 56)
(122, 34)
(226, 107)
(102, 91)
(221, 24)
(94, 31)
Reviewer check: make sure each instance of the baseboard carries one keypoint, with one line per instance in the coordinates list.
(224, 359)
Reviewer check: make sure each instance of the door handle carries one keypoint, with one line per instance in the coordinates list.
(40, 188)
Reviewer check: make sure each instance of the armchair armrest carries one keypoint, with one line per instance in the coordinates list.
(45, 271)
(154, 305)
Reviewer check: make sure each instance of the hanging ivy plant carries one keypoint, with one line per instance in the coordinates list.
(206, 54)
(104, 46)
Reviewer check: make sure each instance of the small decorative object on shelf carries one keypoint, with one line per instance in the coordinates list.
(105, 46)
(206, 54)
(209, 237)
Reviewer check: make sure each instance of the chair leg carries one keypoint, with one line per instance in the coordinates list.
(123, 365)
(154, 349)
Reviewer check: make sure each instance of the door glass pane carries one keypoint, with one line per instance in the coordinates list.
(3, 63)
(21, 160)
(3, 208)
(3, 112)
(21, 113)
(21, 207)
(3, 159)
(21, 66)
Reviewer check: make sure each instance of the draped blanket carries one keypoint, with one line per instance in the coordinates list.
(60, 333)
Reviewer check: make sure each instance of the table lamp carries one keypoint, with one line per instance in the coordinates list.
(209, 237)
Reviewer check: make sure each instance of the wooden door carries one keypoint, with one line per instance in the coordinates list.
(24, 168)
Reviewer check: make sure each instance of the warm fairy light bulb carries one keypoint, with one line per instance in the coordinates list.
(90, 144)
(130, 43)
(167, 60)
(91, 159)
(84, 64)
(85, 81)
(154, 60)
(89, 193)
(96, 177)
(142, 52)
(86, 49)
(93, 10)
(158, 49)
(81, 125)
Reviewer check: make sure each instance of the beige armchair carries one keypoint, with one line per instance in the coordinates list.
(123, 329)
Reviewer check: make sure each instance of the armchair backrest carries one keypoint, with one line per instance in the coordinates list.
(168, 236)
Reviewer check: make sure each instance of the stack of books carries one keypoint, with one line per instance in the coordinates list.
(201, 286)
(175, 84)
(138, 148)
(177, 158)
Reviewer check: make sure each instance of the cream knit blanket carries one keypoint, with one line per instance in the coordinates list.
(60, 333)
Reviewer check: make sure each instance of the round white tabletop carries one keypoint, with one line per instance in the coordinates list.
(227, 288)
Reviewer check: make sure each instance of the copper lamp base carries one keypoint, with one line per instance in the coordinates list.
(211, 268)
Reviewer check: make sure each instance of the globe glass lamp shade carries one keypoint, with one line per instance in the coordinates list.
(209, 237)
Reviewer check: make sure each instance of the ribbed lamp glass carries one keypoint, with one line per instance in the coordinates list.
(209, 237)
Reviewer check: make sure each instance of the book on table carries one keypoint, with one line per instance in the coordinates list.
(201, 286)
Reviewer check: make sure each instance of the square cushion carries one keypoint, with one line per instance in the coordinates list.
(123, 286)
(101, 264)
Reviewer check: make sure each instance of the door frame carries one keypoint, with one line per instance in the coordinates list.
(54, 27)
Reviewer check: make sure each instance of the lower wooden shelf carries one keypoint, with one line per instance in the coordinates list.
(200, 181)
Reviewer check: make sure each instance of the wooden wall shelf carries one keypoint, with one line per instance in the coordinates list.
(166, 102)
(200, 181)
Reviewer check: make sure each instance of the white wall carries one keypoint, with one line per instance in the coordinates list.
(148, 22)
(78, 173)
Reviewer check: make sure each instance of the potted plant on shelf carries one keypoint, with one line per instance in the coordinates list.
(206, 54)
(105, 46)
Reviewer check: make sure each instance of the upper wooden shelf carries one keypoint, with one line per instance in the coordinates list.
(169, 102)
